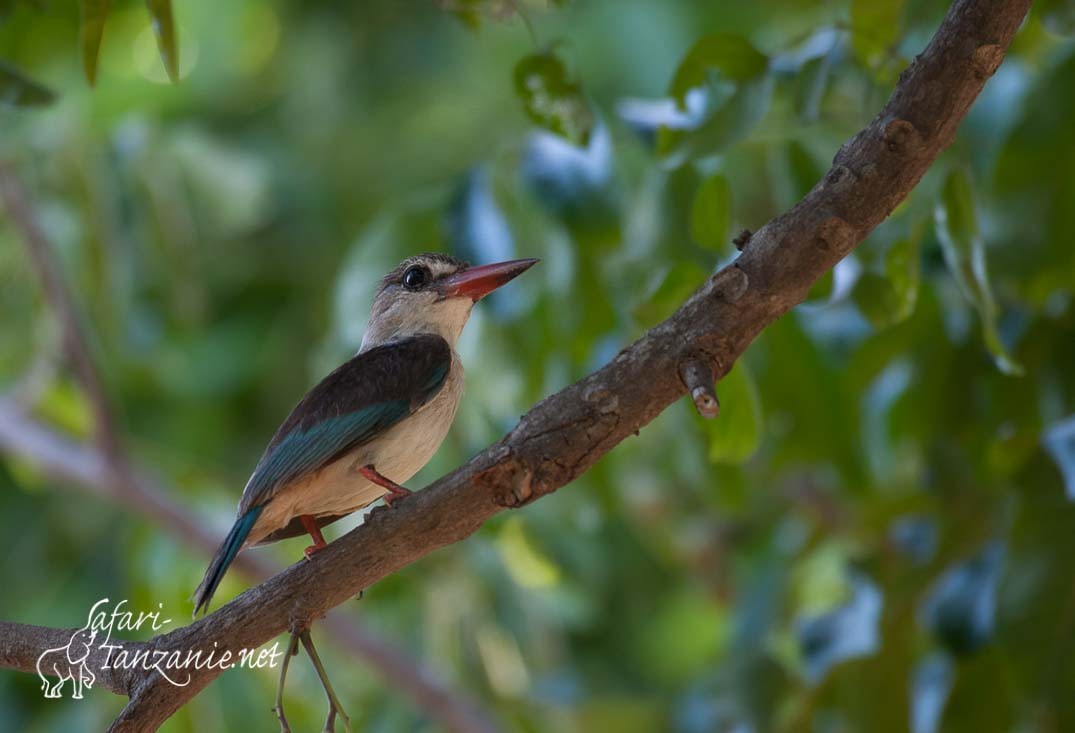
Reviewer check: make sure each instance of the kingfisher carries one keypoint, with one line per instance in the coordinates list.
(371, 424)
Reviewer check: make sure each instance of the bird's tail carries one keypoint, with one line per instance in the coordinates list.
(223, 558)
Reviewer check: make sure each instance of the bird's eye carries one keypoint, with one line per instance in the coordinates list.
(414, 278)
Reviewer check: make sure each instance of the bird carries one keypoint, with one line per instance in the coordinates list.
(373, 422)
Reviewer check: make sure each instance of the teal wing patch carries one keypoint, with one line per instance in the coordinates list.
(304, 451)
(353, 405)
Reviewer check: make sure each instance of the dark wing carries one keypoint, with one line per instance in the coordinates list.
(357, 402)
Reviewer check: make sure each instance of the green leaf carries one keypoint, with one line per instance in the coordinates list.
(903, 269)
(957, 230)
(730, 121)
(804, 170)
(682, 279)
(876, 299)
(711, 213)
(738, 91)
(94, 14)
(160, 12)
(730, 54)
(736, 433)
(18, 90)
(551, 99)
(822, 288)
(889, 298)
(65, 406)
(684, 637)
(875, 27)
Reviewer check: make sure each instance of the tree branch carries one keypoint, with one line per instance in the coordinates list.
(56, 292)
(562, 436)
(107, 471)
(80, 465)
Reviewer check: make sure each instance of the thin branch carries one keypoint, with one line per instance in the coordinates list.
(334, 706)
(109, 472)
(278, 708)
(77, 464)
(565, 434)
(697, 375)
(56, 292)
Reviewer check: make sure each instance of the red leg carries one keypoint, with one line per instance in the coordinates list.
(315, 532)
(395, 491)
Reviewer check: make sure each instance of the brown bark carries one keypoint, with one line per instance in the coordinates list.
(563, 435)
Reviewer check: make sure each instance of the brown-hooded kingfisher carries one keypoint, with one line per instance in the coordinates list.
(372, 423)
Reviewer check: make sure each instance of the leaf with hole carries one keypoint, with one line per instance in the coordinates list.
(551, 99)
(729, 54)
(729, 118)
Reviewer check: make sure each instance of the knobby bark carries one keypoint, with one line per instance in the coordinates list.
(563, 435)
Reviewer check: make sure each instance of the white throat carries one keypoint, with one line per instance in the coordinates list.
(404, 317)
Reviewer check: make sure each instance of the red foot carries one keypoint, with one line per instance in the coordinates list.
(315, 532)
(395, 491)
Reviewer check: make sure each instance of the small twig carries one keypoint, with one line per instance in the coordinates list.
(697, 376)
(278, 708)
(59, 296)
(334, 706)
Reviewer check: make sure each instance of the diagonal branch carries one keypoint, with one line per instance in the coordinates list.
(81, 465)
(75, 346)
(562, 436)
(107, 470)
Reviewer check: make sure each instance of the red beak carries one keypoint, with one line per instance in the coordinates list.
(477, 282)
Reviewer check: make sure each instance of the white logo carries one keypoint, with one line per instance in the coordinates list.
(71, 661)
(68, 663)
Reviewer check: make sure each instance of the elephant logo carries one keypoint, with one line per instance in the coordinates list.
(68, 663)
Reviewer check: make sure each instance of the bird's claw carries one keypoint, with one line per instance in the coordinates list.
(395, 495)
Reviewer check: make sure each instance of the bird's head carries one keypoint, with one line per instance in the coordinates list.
(433, 293)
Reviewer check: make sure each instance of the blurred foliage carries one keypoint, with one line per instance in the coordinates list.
(551, 99)
(875, 534)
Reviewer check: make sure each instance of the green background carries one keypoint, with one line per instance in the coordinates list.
(873, 535)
